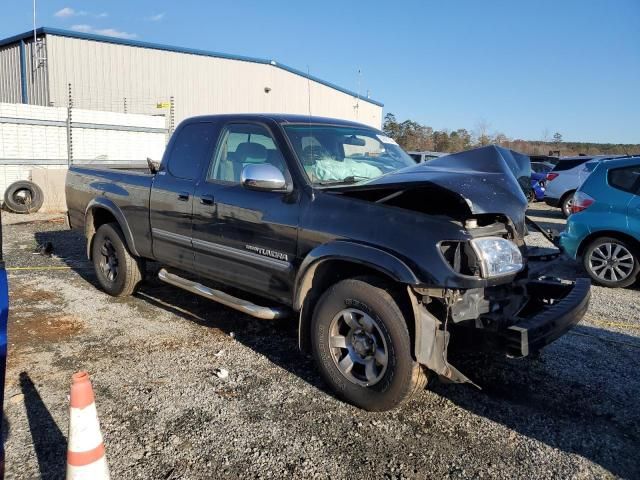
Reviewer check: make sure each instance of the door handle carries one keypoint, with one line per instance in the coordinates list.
(206, 199)
(183, 196)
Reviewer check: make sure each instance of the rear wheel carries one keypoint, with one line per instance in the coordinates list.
(566, 203)
(531, 196)
(117, 270)
(362, 346)
(611, 262)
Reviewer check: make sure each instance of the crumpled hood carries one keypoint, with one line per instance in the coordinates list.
(490, 179)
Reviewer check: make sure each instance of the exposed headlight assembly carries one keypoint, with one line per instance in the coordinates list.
(497, 256)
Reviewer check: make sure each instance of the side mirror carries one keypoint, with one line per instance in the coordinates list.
(264, 177)
(154, 167)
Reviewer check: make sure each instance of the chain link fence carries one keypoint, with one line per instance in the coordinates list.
(38, 142)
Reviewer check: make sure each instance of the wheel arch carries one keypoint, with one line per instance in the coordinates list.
(330, 263)
(608, 233)
(100, 211)
(565, 195)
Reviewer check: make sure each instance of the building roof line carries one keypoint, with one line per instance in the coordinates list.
(169, 48)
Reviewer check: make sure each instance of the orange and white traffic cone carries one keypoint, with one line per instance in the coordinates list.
(86, 458)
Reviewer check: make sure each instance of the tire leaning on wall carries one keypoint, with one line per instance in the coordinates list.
(23, 197)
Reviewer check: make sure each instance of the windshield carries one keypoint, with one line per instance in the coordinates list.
(334, 155)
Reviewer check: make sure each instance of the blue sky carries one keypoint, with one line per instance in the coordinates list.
(521, 66)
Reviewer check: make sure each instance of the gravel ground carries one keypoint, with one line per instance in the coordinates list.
(572, 413)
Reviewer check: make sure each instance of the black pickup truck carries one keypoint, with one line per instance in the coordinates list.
(383, 263)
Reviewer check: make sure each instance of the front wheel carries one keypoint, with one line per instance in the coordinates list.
(611, 262)
(362, 346)
(117, 270)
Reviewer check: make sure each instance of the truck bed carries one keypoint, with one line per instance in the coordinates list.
(125, 192)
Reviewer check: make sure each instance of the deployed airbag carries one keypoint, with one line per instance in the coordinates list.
(327, 169)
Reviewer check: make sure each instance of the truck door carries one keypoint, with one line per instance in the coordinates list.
(243, 237)
(171, 203)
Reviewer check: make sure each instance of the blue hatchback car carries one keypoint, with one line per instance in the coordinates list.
(604, 227)
(539, 171)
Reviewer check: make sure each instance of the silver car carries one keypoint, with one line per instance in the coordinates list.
(566, 177)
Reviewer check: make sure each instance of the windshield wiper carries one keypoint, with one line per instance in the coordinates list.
(345, 181)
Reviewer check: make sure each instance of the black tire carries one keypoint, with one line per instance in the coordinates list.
(23, 197)
(400, 379)
(593, 262)
(531, 196)
(108, 250)
(565, 203)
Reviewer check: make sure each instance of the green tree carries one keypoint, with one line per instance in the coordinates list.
(482, 133)
(441, 141)
(501, 139)
(460, 140)
(412, 135)
(391, 127)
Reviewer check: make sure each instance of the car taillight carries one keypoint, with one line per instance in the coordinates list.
(551, 176)
(581, 201)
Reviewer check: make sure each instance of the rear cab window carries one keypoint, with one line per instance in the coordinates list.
(190, 149)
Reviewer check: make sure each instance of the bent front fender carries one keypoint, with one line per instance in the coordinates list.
(372, 257)
(431, 341)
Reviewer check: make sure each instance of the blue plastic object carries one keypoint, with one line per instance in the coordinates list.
(4, 316)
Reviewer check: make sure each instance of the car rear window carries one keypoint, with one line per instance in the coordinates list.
(540, 167)
(627, 179)
(569, 164)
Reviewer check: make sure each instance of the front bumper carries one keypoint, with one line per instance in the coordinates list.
(569, 304)
(546, 309)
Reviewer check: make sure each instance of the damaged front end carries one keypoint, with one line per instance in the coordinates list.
(479, 291)
(517, 319)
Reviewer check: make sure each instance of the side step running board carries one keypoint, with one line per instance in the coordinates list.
(244, 306)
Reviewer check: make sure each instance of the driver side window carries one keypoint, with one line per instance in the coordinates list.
(242, 145)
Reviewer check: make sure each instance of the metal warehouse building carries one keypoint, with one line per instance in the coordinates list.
(112, 74)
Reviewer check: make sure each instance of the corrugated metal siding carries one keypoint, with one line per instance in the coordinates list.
(10, 86)
(103, 75)
(37, 88)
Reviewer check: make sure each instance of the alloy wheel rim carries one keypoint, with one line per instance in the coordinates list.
(358, 347)
(611, 262)
(568, 206)
(109, 260)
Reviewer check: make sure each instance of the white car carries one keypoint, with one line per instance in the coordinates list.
(566, 177)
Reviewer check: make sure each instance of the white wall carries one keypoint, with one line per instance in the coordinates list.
(32, 141)
(25, 148)
(116, 145)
